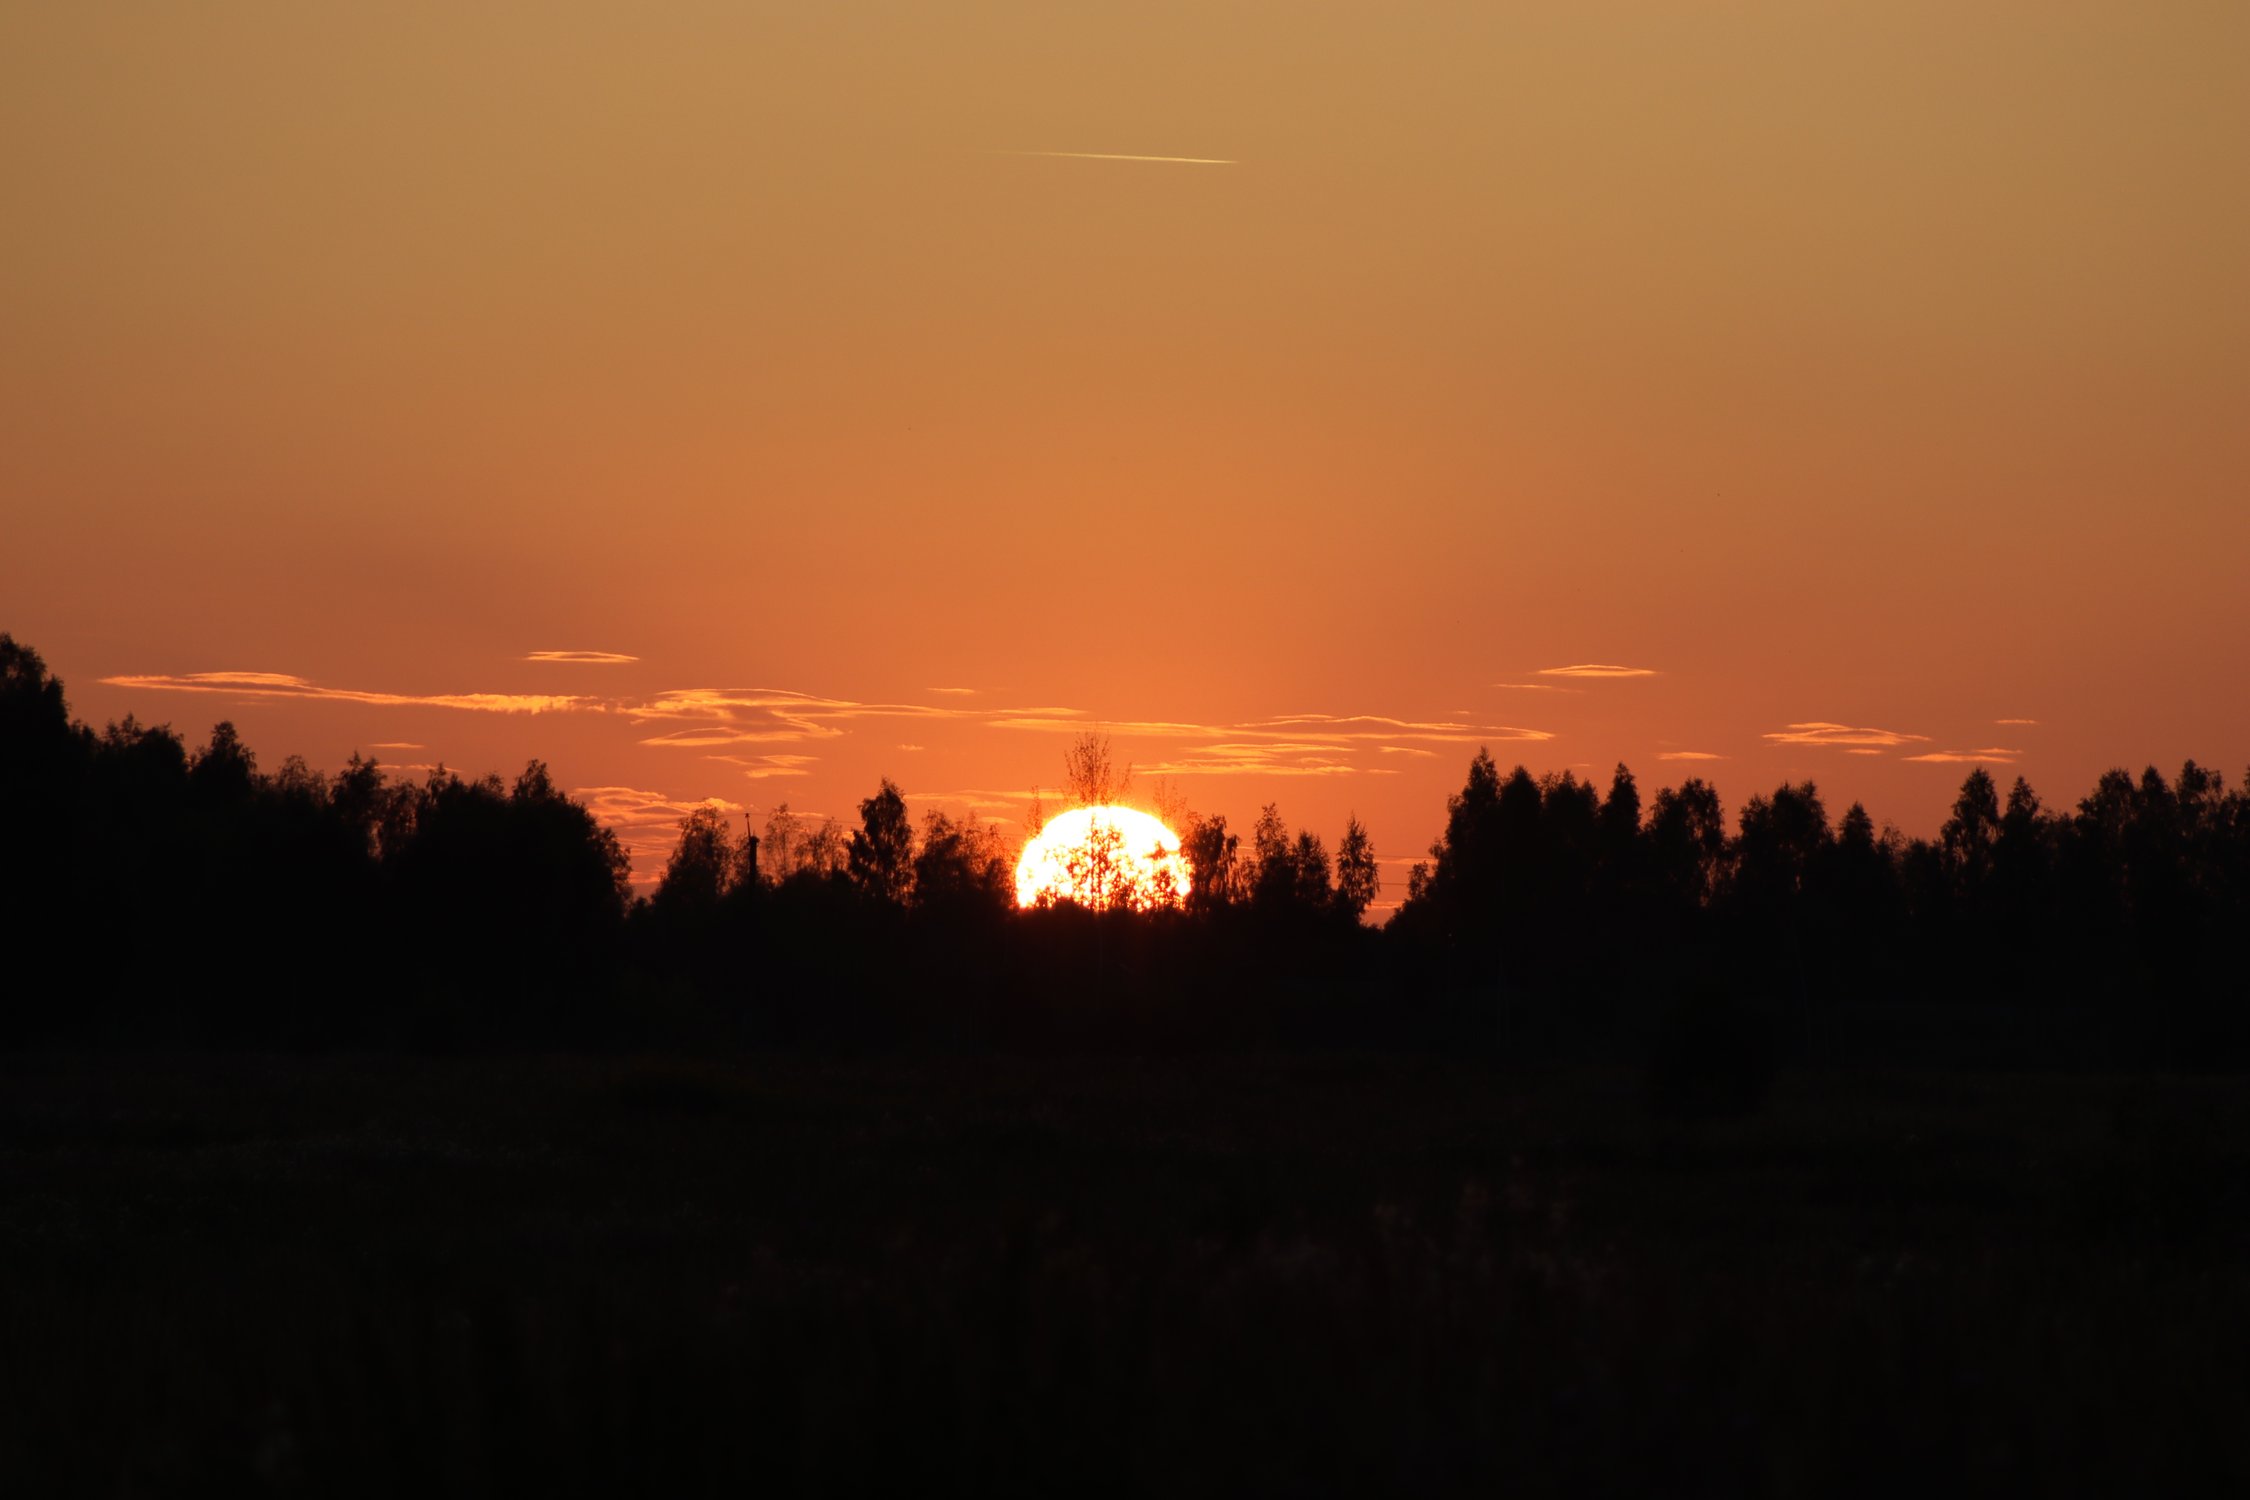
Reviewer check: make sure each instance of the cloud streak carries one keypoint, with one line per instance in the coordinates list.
(761, 722)
(1263, 759)
(763, 767)
(1597, 669)
(582, 658)
(1820, 733)
(646, 823)
(1189, 161)
(1287, 745)
(1965, 757)
(282, 685)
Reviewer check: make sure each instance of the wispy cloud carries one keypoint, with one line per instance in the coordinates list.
(703, 737)
(1071, 722)
(1965, 757)
(756, 716)
(978, 799)
(1536, 687)
(2024, 722)
(750, 728)
(282, 685)
(1263, 758)
(1287, 745)
(1191, 161)
(1597, 669)
(761, 767)
(582, 658)
(632, 806)
(1821, 733)
(645, 822)
(396, 745)
(1688, 755)
(1381, 727)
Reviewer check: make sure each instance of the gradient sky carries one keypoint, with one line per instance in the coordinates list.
(1879, 367)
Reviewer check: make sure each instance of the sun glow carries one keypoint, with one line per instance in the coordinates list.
(1100, 857)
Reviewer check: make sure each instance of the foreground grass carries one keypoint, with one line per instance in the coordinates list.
(1201, 1276)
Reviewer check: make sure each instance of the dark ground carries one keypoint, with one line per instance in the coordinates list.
(1205, 1276)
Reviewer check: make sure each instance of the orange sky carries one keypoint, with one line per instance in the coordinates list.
(1881, 366)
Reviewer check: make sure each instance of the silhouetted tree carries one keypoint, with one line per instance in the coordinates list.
(778, 854)
(824, 853)
(1091, 776)
(44, 765)
(702, 868)
(1621, 814)
(487, 910)
(1273, 874)
(1358, 881)
(1968, 839)
(1687, 843)
(1309, 859)
(1782, 843)
(224, 771)
(518, 894)
(362, 803)
(881, 861)
(1212, 854)
(1862, 898)
(33, 713)
(1621, 875)
(962, 865)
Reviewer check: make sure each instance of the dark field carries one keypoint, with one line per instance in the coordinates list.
(1203, 1276)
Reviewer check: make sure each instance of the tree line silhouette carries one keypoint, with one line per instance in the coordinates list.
(154, 892)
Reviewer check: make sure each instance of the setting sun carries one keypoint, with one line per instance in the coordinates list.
(1101, 857)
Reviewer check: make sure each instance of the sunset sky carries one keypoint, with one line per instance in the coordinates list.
(746, 401)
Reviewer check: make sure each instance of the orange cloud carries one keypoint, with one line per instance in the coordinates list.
(1597, 669)
(751, 716)
(282, 685)
(582, 658)
(1821, 733)
(712, 719)
(1964, 757)
(1688, 755)
(646, 823)
(1378, 727)
(1270, 758)
(762, 767)
(978, 799)
(1190, 161)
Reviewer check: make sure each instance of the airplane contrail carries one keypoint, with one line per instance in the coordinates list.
(1196, 161)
